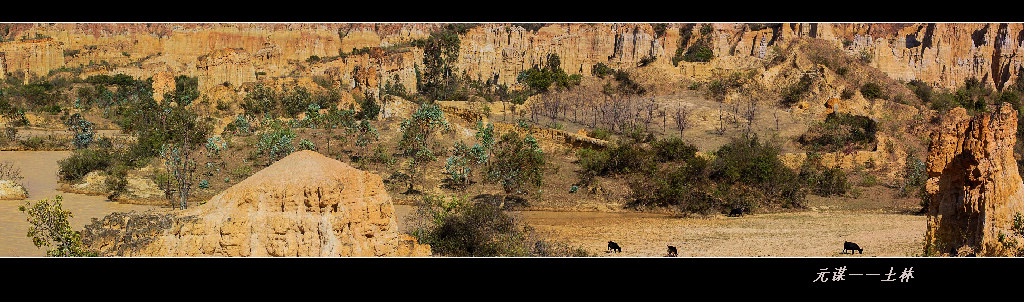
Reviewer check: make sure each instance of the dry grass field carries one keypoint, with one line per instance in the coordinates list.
(881, 225)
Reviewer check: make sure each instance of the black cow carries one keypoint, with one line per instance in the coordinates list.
(614, 247)
(850, 246)
(672, 251)
(737, 212)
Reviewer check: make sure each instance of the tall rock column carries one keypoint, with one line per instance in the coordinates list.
(973, 188)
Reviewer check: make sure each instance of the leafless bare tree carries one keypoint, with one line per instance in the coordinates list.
(682, 117)
(750, 112)
(721, 119)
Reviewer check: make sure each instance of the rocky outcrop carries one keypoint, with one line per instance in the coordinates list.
(37, 56)
(304, 205)
(943, 54)
(974, 188)
(502, 51)
(12, 190)
(227, 67)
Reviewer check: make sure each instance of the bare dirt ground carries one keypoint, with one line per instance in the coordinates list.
(882, 225)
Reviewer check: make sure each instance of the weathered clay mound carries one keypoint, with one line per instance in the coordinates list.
(974, 187)
(12, 190)
(305, 205)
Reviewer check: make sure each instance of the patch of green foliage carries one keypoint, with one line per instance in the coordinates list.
(669, 173)
(540, 78)
(517, 164)
(796, 92)
(823, 181)
(418, 140)
(841, 132)
(275, 143)
(871, 90)
(459, 228)
(50, 226)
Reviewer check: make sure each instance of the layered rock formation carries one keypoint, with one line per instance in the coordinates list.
(37, 56)
(974, 188)
(12, 190)
(943, 54)
(305, 205)
(231, 66)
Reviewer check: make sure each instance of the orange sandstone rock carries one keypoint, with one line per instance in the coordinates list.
(974, 188)
(304, 205)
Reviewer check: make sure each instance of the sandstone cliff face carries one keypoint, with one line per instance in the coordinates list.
(943, 54)
(305, 205)
(232, 66)
(37, 56)
(504, 50)
(974, 187)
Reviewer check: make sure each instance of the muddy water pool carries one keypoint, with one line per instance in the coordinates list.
(39, 169)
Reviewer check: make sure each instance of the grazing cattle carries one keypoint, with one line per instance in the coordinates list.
(850, 246)
(614, 247)
(672, 251)
(737, 212)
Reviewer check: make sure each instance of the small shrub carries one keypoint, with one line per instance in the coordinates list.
(869, 181)
(822, 180)
(83, 161)
(871, 91)
(49, 225)
(276, 143)
(470, 230)
(600, 133)
(840, 131)
(601, 70)
(305, 144)
(673, 149)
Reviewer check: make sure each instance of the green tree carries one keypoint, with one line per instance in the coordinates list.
(296, 101)
(460, 229)
(457, 168)
(418, 134)
(260, 100)
(276, 143)
(186, 90)
(83, 130)
(50, 226)
(439, 57)
(368, 108)
(517, 164)
(365, 135)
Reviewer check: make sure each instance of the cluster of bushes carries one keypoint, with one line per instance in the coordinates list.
(540, 78)
(823, 181)
(797, 91)
(872, 90)
(467, 228)
(133, 108)
(915, 175)
(1010, 241)
(973, 95)
(668, 173)
(841, 132)
(275, 143)
(33, 95)
(12, 112)
(722, 85)
(697, 51)
(626, 84)
(263, 100)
